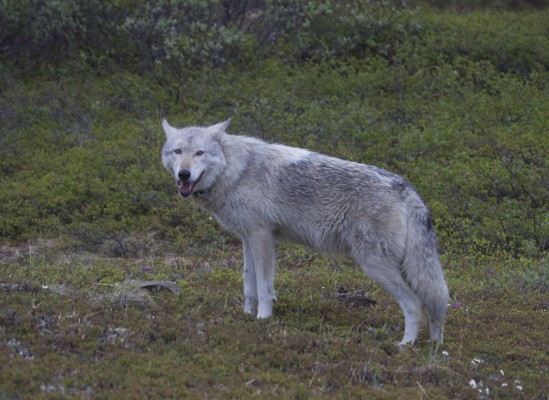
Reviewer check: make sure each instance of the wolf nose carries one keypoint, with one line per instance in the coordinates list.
(184, 174)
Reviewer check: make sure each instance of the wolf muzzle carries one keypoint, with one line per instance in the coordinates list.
(186, 186)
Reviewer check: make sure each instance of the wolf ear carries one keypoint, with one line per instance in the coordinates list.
(167, 128)
(219, 129)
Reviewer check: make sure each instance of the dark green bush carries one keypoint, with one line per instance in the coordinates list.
(455, 103)
(509, 42)
(175, 39)
(465, 5)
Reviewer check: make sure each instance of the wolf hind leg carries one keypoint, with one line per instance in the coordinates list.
(389, 277)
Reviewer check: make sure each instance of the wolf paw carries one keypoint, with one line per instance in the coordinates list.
(265, 310)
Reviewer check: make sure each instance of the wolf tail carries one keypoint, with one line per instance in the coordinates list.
(422, 268)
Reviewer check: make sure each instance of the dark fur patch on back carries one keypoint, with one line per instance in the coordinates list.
(401, 186)
(429, 221)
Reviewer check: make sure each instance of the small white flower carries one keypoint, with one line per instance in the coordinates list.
(445, 353)
(519, 388)
(501, 372)
(504, 384)
(473, 383)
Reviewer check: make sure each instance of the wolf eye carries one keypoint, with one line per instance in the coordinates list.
(177, 151)
(199, 153)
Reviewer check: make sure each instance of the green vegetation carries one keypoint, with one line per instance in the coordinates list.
(454, 100)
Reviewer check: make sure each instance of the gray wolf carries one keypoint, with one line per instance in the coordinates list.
(267, 193)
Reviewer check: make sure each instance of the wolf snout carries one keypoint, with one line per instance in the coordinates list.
(186, 185)
(184, 174)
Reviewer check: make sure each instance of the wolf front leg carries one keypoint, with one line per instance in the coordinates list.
(262, 248)
(249, 277)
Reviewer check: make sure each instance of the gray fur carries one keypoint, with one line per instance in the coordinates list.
(267, 193)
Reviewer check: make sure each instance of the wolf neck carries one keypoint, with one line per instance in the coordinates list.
(238, 152)
(246, 156)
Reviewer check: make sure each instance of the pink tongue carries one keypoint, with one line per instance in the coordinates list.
(186, 187)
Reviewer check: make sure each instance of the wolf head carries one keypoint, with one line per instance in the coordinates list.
(194, 156)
